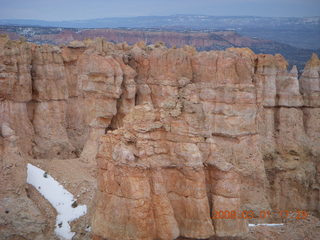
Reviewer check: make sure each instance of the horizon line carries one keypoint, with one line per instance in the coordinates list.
(172, 15)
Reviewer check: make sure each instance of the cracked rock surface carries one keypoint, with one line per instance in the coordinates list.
(171, 135)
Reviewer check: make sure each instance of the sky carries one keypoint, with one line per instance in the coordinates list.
(58, 10)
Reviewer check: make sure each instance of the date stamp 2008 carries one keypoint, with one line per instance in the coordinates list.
(263, 214)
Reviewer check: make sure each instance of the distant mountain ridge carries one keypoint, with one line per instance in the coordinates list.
(195, 21)
(301, 32)
(202, 40)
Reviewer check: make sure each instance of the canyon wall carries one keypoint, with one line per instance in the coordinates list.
(176, 133)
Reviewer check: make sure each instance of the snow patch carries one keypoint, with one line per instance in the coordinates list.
(266, 224)
(62, 200)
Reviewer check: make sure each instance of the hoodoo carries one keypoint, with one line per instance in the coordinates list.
(171, 136)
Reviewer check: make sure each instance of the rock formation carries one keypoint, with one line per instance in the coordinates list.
(177, 134)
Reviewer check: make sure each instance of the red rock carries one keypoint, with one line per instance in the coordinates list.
(176, 133)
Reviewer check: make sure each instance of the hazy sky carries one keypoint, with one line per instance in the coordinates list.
(88, 9)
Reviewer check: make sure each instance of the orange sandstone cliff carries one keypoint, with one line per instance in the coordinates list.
(174, 135)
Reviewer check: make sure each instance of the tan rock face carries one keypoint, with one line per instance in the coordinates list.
(15, 77)
(17, 211)
(180, 134)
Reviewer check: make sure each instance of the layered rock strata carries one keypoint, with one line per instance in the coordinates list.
(181, 133)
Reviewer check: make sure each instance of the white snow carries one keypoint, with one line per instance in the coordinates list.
(266, 224)
(59, 198)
